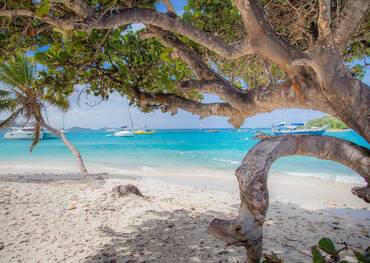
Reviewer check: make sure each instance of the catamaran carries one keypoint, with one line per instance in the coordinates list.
(28, 133)
(25, 133)
(124, 133)
(293, 128)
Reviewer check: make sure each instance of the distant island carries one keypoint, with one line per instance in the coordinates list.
(329, 121)
(78, 129)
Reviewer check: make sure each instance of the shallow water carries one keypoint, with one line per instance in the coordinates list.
(194, 149)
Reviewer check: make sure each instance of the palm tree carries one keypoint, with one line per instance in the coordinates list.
(23, 97)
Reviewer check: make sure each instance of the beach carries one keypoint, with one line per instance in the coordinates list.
(54, 217)
(49, 214)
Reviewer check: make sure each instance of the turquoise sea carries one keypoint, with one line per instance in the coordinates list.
(179, 149)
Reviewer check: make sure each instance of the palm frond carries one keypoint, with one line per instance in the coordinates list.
(7, 104)
(36, 135)
(17, 74)
(58, 100)
(10, 120)
(4, 93)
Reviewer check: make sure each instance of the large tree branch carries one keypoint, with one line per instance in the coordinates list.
(274, 96)
(263, 39)
(175, 24)
(192, 58)
(169, 6)
(170, 103)
(349, 21)
(214, 82)
(246, 230)
(63, 24)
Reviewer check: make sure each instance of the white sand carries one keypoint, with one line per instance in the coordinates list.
(46, 218)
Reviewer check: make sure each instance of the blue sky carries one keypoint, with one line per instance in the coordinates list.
(114, 112)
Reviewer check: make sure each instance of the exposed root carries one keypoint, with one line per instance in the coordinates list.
(362, 192)
(125, 190)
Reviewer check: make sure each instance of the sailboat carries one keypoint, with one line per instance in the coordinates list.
(114, 124)
(124, 132)
(294, 128)
(144, 131)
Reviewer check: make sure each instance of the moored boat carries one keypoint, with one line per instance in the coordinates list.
(144, 132)
(124, 133)
(25, 133)
(293, 128)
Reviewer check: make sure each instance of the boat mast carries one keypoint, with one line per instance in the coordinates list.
(305, 119)
(129, 113)
(63, 121)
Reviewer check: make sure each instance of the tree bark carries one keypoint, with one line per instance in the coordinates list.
(346, 96)
(75, 152)
(247, 229)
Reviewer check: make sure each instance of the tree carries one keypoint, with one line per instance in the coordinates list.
(255, 55)
(25, 97)
(328, 121)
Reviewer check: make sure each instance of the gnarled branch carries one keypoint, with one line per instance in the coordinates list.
(169, 6)
(246, 229)
(63, 24)
(175, 24)
(323, 20)
(170, 103)
(349, 21)
(263, 39)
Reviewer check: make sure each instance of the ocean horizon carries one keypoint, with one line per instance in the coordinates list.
(177, 150)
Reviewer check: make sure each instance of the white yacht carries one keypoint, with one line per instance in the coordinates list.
(25, 133)
(124, 133)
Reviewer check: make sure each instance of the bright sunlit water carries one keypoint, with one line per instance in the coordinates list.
(173, 149)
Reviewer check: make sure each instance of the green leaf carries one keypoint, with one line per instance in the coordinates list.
(316, 255)
(361, 258)
(44, 8)
(328, 246)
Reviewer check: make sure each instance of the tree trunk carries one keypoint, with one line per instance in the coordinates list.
(247, 229)
(348, 97)
(76, 153)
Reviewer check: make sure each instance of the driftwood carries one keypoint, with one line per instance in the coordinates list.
(125, 190)
(247, 229)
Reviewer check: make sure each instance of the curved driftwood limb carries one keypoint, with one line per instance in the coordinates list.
(246, 229)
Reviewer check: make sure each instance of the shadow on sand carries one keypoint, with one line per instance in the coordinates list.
(180, 236)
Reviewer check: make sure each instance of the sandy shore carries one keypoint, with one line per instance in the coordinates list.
(58, 218)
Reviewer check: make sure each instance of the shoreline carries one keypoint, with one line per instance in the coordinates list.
(304, 190)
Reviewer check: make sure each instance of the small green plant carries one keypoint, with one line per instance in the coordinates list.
(325, 252)
(273, 258)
